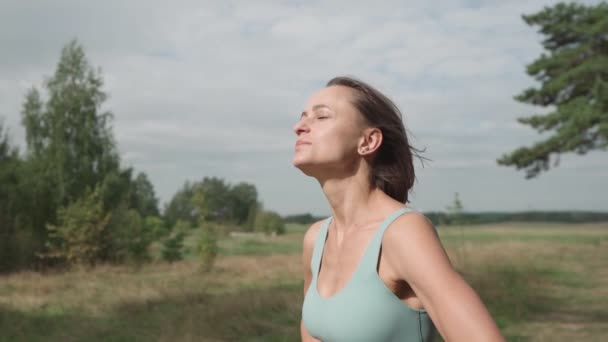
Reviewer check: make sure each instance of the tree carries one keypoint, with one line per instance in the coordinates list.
(574, 82)
(217, 196)
(82, 225)
(180, 207)
(249, 224)
(244, 198)
(200, 204)
(126, 239)
(306, 218)
(7, 151)
(156, 227)
(24, 209)
(269, 222)
(145, 199)
(71, 153)
(455, 211)
(69, 134)
(172, 247)
(9, 199)
(207, 246)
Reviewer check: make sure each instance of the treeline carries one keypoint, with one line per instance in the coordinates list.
(302, 218)
(68, 200)
(443, 218)
(233, 206)
(450, 218)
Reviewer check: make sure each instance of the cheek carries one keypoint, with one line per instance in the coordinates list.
(341, 142)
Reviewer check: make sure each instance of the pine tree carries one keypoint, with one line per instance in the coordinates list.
(172, 247)
(574, 81)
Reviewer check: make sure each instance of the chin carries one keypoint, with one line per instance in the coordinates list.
(306, 168)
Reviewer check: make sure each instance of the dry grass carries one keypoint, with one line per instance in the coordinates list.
(541, 282)
(95, 292)
(555, 275)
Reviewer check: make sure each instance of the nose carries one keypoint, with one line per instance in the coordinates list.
(300, 127)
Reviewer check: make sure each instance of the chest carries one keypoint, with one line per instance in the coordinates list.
(363, 311)
(341, 260)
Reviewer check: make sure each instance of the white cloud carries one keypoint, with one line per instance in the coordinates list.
(202, 88)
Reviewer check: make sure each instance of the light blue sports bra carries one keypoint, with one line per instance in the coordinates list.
(364, 309)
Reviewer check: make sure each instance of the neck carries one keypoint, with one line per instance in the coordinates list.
(349, 199)
(354, 202)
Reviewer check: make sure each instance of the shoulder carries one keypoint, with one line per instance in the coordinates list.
(411, 242)
(311, 235)
(409, 226)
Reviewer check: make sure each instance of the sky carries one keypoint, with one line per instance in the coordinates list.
(213, 88)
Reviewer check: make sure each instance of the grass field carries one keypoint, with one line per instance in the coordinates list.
(542, 282)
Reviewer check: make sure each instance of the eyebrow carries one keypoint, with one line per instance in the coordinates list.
(314, 108)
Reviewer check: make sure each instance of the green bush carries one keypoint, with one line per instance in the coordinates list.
(78, 237)
(172, 247)
(269, 222)
(207, 248)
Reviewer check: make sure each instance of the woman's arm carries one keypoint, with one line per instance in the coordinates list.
(413, 249)
(307, 247)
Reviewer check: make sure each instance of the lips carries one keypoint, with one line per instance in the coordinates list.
(302, 142)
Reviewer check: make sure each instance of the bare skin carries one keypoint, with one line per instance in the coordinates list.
(335, 147)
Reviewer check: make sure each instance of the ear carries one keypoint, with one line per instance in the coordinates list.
(370, 141)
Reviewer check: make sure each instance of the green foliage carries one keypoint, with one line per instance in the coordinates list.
(144, 198)
(249, 225)
(472, 218)
(207, 245)
(269, 222)
(127, 239)
(68, 198)
(244, 201)
(217, 193)
(182, 226)
(217, 200)
(137, 237)
(12, 200)
(115, 189)
(75, 203)
(306, 218)
(574, 80)
(70, 134)
(155, 227)
(173, 246)
(70, 153)
(207, 248)
(81, 227)
(200, 204)
(180, 207)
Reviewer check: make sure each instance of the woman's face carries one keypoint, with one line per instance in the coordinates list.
(329, 132)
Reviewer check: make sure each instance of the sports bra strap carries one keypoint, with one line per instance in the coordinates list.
(317, 251)
(370, 258)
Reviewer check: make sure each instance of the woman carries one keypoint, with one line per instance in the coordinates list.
(375, 270)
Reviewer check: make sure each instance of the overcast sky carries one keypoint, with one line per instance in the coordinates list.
(213, 88)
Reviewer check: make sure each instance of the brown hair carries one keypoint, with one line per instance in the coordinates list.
(393, 165)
